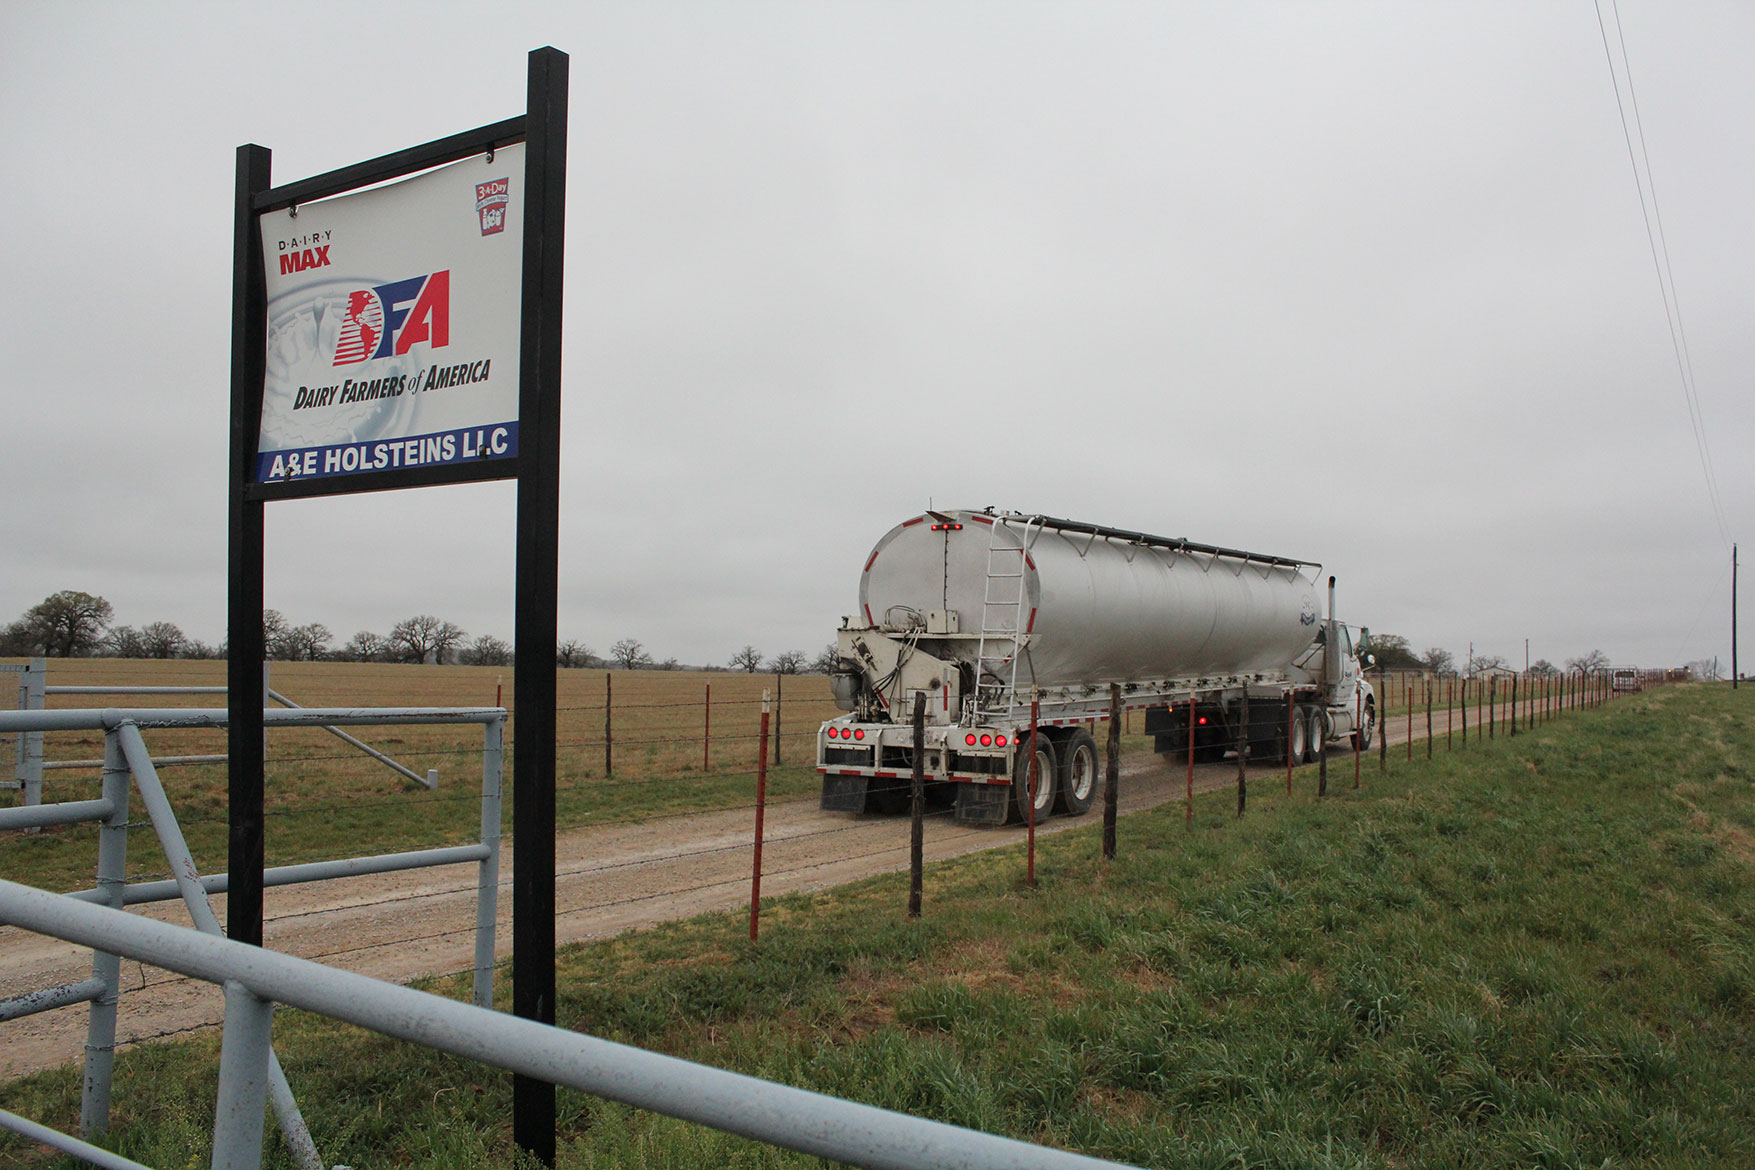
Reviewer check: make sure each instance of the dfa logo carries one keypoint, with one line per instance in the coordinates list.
(388, 320)
(491, 201)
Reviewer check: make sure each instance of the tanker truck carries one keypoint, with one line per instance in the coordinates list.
(995, 621)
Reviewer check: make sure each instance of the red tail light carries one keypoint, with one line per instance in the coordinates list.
(833, 733)
(969, 739)
(999, 740)
(859, 733)
(987, 741)
(1202, 721)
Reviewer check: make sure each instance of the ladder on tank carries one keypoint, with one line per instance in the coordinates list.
(1002, 612)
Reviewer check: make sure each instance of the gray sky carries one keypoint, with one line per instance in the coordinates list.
(1360, 283)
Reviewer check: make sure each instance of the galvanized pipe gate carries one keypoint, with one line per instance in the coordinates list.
(126, 758)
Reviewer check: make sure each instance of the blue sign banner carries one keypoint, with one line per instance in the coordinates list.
(439, 448)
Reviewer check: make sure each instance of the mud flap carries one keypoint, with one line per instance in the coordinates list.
(983, 804)
(844, 793)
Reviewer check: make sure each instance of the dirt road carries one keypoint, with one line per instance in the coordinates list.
(608, 880)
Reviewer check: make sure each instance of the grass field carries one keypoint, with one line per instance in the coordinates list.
(1538, 953)
(326, 799)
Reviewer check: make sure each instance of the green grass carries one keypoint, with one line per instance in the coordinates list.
(1536, 952)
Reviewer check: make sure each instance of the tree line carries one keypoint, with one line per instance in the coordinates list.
(1393, 653)
(72, 624)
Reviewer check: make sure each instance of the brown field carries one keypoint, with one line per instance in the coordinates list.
(326, 799)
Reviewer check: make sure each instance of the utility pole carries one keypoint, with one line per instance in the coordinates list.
(1733, 617)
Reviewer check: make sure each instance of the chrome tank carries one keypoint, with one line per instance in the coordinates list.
(1097, 608)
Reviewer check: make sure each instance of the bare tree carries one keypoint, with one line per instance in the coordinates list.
(1594, 661)
(162, 640)
(1542, 668)
(1438, 661)
(67, 624)
(825, 662)
(1481, 663)
(417, 638)
(125, 642)
(366, 646)
(303, 643)
(487, 650)
(670, 664)
(630, 654)
(273, 630)
(791, 662)
(572, 653)
(748, 659)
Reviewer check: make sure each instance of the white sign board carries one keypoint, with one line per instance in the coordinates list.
(393, 325)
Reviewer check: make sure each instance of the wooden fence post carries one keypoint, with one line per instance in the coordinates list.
(608, 732)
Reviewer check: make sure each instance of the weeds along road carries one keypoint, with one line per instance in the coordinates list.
(611, 879)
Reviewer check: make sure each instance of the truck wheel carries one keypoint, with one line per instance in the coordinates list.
(1300, 736)
(1316, 735)
(1045, 785)
(1363, 737)
(1078, 775)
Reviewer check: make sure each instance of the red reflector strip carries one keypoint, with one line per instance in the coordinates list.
(982, 519)
(913, 522)
(872, 560)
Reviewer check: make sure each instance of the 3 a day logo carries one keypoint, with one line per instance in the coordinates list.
(388, 320)
(491, 201)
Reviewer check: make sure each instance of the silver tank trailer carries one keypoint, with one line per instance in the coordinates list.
(1097, 607)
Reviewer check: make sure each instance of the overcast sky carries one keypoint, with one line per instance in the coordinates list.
(1367, 284)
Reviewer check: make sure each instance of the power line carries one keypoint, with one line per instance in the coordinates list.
(1660, 258)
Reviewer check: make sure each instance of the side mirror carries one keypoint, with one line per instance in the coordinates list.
(1371, 660)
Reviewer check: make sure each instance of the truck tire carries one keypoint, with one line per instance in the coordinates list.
(1300, 736)
(1077, 786)
(1045, 785)
(1317, 734)
(1363, 737)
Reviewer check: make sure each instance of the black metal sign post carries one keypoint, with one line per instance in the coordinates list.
(536, 467)
(533, 671)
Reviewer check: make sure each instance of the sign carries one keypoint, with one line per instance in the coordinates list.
(394, 326)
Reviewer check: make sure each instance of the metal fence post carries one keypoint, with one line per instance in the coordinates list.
(1031, 780)
(1243, 754)
(243, 1080)
(779, 702)
(917, 812)
(1188, 805)
(1112, 771)
(30, 748)
(112, 875)
(608, 736)
(487, 893)
(761, 811)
